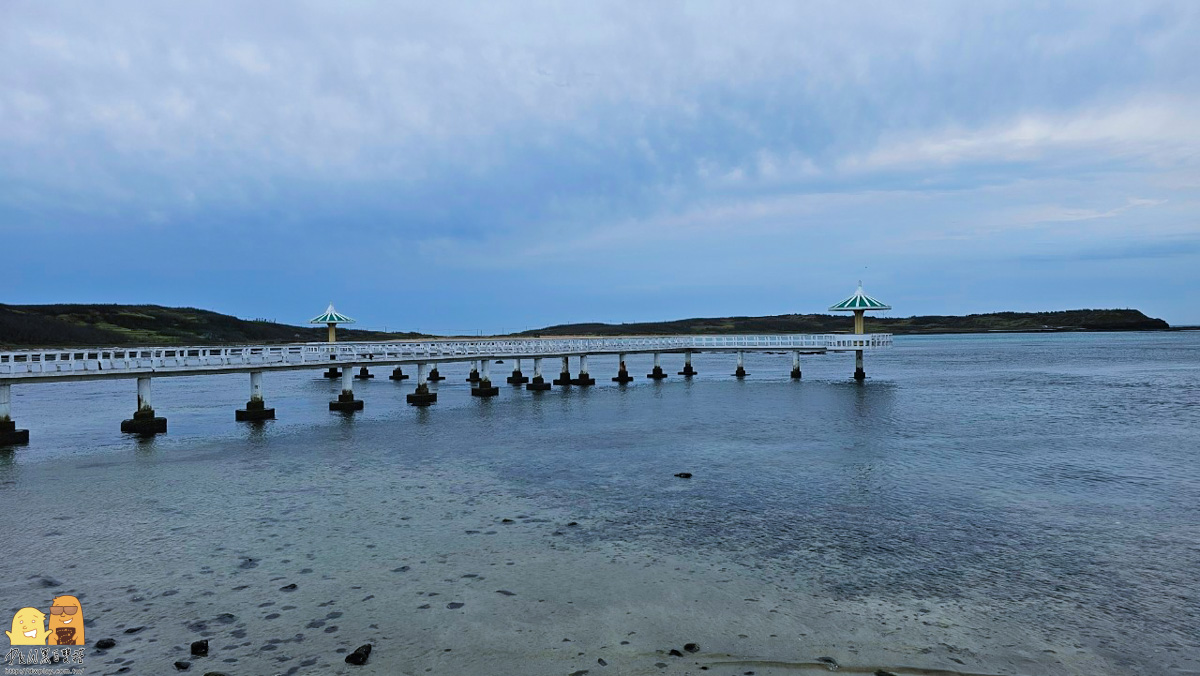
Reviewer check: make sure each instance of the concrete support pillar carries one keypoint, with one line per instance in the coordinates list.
(538, 384)
(517, 378)
(144, 421)
(741, 367)
(9, 434)
(397, 374)
(859, 374)
(422, 397)
(564, 378)
(332, 372)
(584, 379)
(434, 376)
(364, 374)
(474, 375)
(796, 364)
(622, 372)
(346, 403)
(687, 365)
(657, 372)
(484, 387)
(256, 409)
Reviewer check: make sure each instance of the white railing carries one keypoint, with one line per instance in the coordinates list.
(115, 362)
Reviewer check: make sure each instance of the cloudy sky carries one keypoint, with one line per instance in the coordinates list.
(503, 165)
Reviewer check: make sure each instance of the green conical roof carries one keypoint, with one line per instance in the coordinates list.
(331, 316)
(859, 301)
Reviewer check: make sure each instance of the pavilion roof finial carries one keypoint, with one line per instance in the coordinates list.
(331, 316)
(859, 301)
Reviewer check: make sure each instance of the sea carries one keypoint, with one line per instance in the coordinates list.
(1024, 504)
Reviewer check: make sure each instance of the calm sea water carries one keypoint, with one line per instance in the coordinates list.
(1054, 476)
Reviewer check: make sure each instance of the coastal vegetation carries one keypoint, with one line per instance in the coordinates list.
(122, 325)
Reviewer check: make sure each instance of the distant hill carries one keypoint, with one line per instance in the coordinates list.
(123, 325)
(1067, 320)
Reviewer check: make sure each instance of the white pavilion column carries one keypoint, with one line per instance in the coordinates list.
(422, 397)
(657, 372)
(538, 383)
(796, 364)
(9, 434)
(144, 422)
(622, 372)
(256, 408)
(687, 365)
(741, 365)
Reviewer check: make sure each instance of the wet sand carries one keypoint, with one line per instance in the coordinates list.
(165, 549)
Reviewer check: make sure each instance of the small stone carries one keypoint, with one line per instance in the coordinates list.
(288, 587)
(692, 647)
(829, 662)
(573, 524)
(182, 666)
(505, 592)
(105, 644)
(200, 648)
(401, 569)
(360, 655)
(601, 662)
(881, 672)
(133, 630)
(454, 605)
(684, 475)
(675, 653)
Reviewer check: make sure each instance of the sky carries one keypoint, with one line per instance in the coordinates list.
(492, 167)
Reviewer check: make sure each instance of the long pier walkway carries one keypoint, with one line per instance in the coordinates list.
(342, 359)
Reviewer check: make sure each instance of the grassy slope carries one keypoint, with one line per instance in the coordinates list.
(120, 325)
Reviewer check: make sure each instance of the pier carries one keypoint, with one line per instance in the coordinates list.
(342, 360)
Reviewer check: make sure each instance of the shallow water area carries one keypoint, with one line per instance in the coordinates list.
(1012, 504)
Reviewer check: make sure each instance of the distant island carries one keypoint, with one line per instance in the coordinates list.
(123, 325)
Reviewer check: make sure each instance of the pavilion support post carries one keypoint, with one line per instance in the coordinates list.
(9, 434)
(622, 372)
(538, 384)
(346, 403)
(741, 365)
(364, 374)
(484, 387)
(473, 377)
(796, 364)
(517, 378)
(397, 374)
(434, 376)
(584, 379)
(564, 378)
(256, 409)
(144, 422)
(422, 397)
(687, 365)
(656, 373)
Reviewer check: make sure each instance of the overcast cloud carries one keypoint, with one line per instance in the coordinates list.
(497, 166)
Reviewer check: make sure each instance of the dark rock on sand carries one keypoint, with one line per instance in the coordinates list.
(675, 653)
(881, 672)
(360, 655)
(601, 662)
(200, 648)
(182, 666)
(133, 630)
(505, 592)
(105, 644)
(454, 605)
(215, 673)
(684, 475)
(288, 587)
(829, 662)
(692, 647)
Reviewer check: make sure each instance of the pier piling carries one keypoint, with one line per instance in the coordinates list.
(796, 364)
(256, 409)
(422, 397)
(622, 372)
(397, 374)
(517, 378)
(9, 434)
(473, 377)
(434, 376)
(484, 387)
(346, 403)
(741, 365)
(584, 379)
(364, 374)
(538, 384)
(564, 378)
(687, 365)
(656, 373)
(144, 422)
